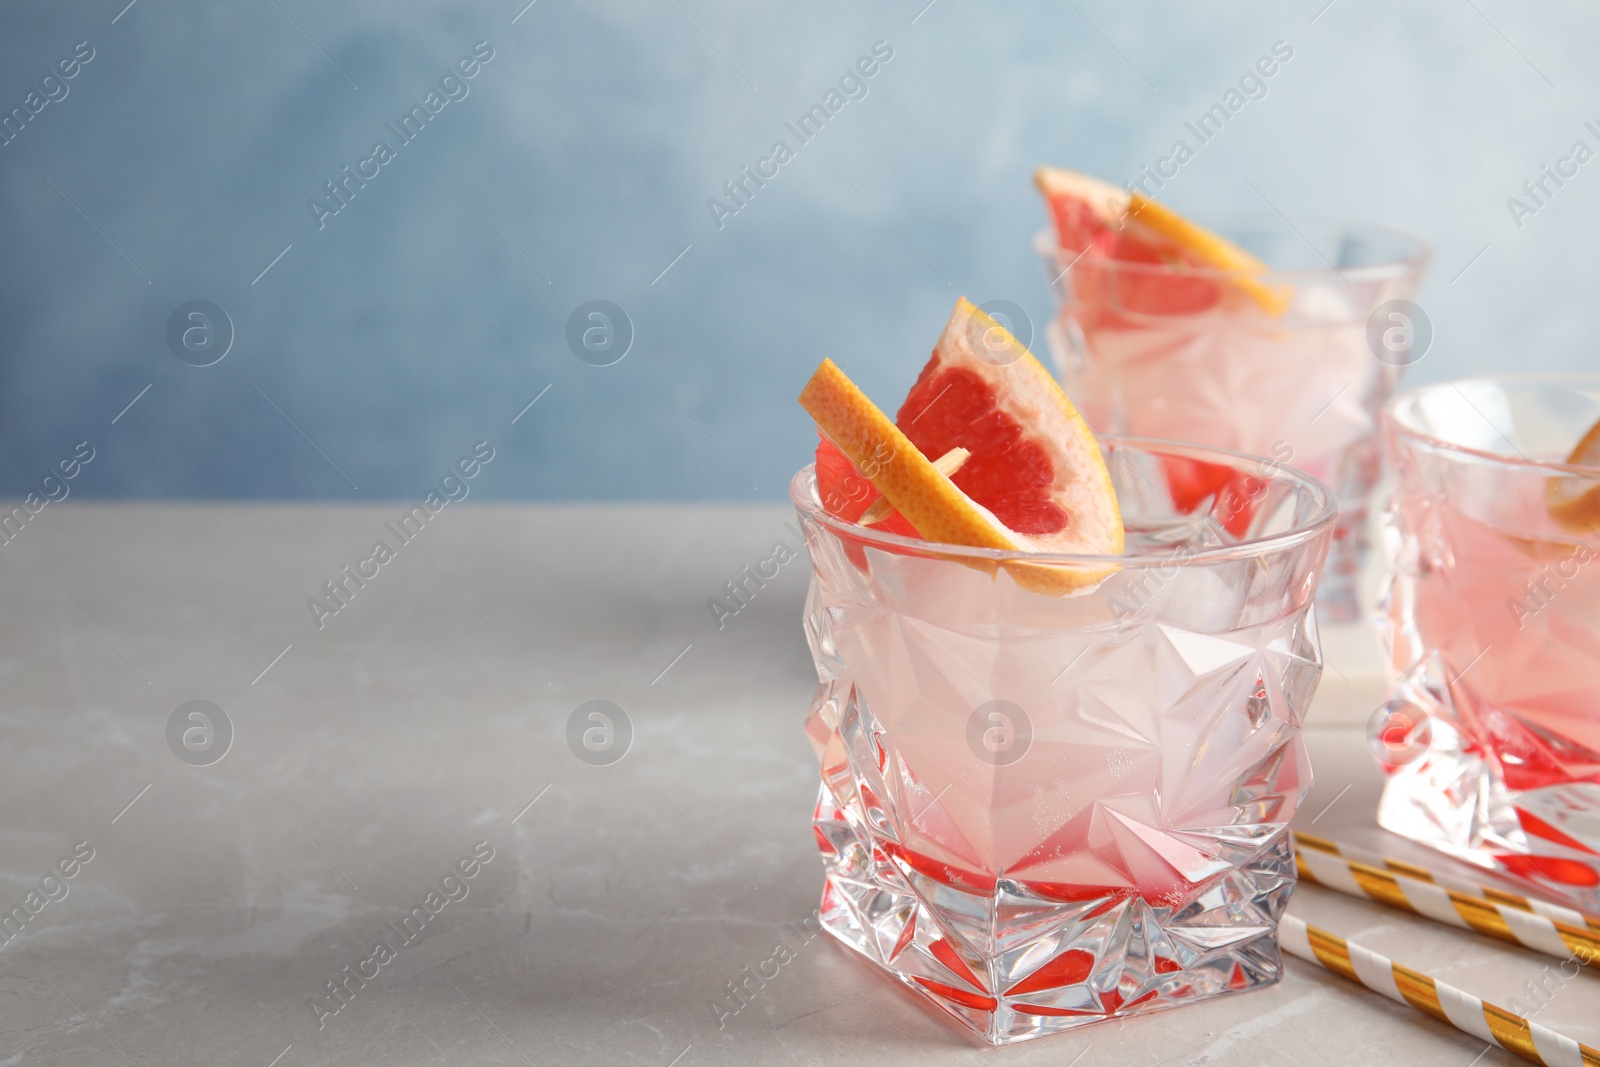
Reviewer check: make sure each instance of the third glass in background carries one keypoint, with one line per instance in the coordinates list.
(1294, 364)
(1492, 618)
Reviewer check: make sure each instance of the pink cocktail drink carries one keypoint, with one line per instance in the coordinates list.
(1293, 363)
(1522, 604)
(1493, 623)
(1041, 811)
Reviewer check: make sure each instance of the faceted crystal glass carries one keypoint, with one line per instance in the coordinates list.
(1038, 812)
(1163, 350)
(1492, 619)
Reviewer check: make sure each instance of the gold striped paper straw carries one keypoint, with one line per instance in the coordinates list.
(1462, 1010)
(1331, 866)
(1558, 912)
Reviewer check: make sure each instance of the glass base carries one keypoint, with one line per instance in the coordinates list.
(1546, 840)
(1011, 962)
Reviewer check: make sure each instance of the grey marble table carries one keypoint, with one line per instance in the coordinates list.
(422, 730)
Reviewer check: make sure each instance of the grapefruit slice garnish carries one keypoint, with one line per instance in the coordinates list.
(1094, 217)
(1574, 500)
(1035, 464)
(1032, 456)
(1087, 211)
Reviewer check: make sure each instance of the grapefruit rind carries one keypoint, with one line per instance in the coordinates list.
(1574, 500)
(923, 495)
(1118, 208)
(947, 465)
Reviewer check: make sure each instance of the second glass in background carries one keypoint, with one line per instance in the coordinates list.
(1294, 364)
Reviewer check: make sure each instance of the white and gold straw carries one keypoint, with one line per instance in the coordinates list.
(1547, 928)
(1557, 912)
(1462, 1010)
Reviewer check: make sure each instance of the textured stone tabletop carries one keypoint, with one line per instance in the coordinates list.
(425, 732)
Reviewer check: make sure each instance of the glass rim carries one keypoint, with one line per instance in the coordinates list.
(1416, 263)
(802, 493)
(1393, 418)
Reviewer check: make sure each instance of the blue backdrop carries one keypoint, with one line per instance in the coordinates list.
(421, 307)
